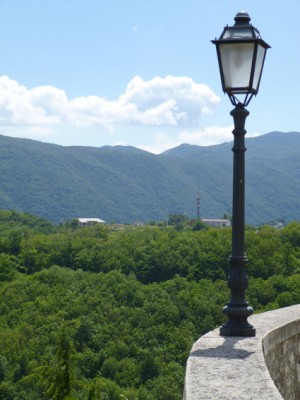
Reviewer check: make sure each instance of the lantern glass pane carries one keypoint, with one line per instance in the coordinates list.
(236, 59)
(238, 33)
(258, 66)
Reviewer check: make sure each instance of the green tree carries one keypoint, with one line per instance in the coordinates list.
(176, 219)
(9, 266)
(57, 377)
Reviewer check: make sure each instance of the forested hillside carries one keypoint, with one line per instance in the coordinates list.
(99, 313)
(124, 184)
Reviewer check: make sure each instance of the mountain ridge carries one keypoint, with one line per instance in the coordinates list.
(126, 184)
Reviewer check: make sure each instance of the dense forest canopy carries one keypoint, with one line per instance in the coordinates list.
(100, 313)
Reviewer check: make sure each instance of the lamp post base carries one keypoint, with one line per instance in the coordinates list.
(246, 331)
(237, 324)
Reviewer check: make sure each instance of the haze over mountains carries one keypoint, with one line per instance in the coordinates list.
(125, 184)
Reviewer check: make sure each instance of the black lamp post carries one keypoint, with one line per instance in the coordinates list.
(241, 55)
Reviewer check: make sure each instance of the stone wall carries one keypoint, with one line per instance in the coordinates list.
(282, 354)
(235, 368)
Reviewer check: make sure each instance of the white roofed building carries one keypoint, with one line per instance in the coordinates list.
(83, 222)
(217, 223)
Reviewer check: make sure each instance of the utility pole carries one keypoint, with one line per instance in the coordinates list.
(198, 205)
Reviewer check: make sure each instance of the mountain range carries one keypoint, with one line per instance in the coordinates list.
(124, 184)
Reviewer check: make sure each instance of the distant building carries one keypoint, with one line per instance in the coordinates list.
(138, 223)
(217, 223)
(83, 222)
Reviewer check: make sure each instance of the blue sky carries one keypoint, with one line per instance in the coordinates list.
(138, 72)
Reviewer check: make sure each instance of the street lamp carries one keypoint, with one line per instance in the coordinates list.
(241, 55)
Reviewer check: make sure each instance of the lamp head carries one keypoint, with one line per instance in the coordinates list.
(241, 54)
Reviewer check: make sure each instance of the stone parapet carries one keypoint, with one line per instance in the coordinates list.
(265, 367)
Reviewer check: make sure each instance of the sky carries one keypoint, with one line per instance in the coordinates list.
(140, 73)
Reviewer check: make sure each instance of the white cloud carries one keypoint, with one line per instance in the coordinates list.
(22, 107)
(206, 136)
(172, 104)
(161, 143)
(169, 101)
